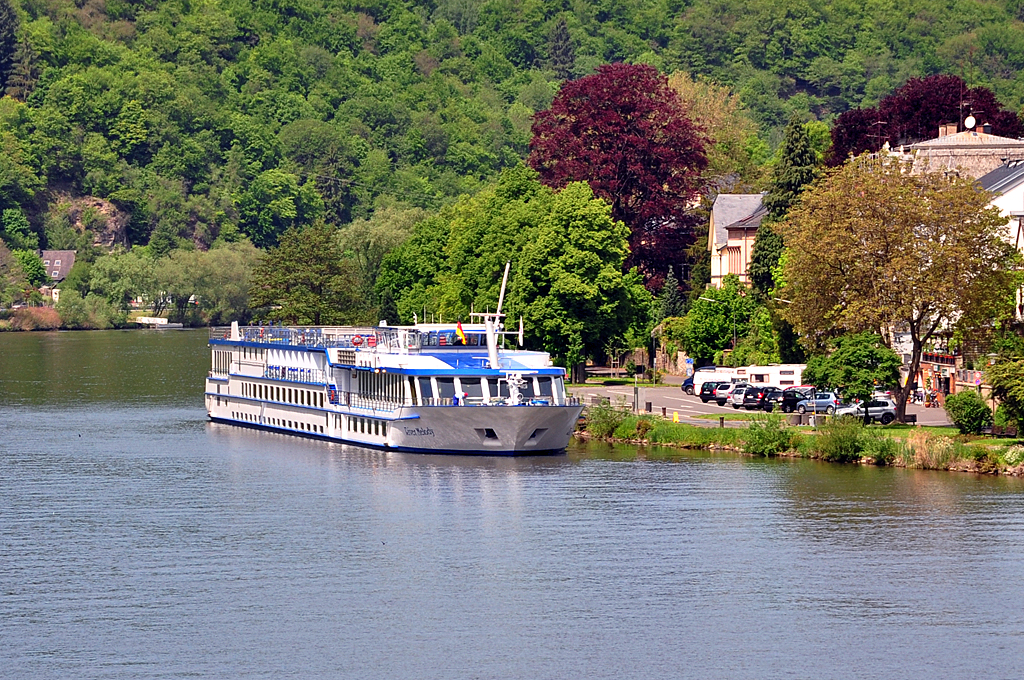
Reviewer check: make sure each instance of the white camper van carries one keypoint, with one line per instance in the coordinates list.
(777, 375)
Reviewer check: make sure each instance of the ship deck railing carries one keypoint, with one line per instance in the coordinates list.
(358, 401)
(381, 339)
(310, 336)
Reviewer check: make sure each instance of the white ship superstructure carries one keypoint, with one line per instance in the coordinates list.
(430, 388)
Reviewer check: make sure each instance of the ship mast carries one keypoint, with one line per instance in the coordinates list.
(492, 323)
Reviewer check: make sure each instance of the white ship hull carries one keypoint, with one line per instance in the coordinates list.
(409, 389)
(486, 430)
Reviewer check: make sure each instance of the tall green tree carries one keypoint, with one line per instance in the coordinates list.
(796, 168)
(12, 277)
(875, 248)
(561, 55)
(15, 230)
(32, 267)
(567, 255)
(718, 319)
(306, 279)
(8, 40)
(569, 285)
(24, 71)
(854, 366)
(672, 301)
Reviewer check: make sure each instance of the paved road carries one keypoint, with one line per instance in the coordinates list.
(674, 400)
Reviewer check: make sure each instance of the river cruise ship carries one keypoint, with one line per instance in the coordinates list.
(430, 388)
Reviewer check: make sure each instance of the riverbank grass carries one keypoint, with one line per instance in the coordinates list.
(839, 440)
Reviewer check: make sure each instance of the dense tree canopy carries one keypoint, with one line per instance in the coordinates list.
(796, 168)
(718, 319)
(198, 127)
(625, 132)
(854, 365)
(307, 280)
(874, 248)
(567, 256)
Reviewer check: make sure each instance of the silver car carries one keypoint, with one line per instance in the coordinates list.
(737, 395)
(879, 409)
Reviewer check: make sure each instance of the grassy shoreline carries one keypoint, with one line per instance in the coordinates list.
(840, 441)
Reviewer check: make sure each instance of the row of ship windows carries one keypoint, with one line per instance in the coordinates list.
(445, 388)
(279, 422)
(287, 395)
(253, 353)
(378, 428)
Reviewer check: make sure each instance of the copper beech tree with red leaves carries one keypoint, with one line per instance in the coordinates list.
(914, 112)
(624, 131)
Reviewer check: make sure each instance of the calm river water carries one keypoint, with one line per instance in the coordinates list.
(137, 540)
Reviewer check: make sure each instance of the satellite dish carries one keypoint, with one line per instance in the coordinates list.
(969, 122)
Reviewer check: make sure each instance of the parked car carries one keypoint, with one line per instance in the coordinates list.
(725, 390)
(688, 385)
(791, 396)
(708, 389)
(762, 397)
(881, 410)
(736, 396)
(822, 402)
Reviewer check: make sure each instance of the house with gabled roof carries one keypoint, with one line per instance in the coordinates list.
(731, 233)
(58, 263)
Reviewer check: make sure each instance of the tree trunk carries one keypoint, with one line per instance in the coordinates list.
(904, 391)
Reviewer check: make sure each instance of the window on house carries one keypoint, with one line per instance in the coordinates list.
(735, 260)
(56, 263)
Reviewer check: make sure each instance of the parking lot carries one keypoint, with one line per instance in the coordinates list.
(671, 398)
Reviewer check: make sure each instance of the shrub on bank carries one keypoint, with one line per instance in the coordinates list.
(91, 312)
(604, 419)
(766, 435)
(839, 440)
(882, 450)
(35, 319)
(634, 427)
(1014, 456)
(968, 411)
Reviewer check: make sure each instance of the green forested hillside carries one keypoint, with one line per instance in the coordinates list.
(194, 119)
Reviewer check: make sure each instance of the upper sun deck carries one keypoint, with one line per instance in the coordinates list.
(429, 338)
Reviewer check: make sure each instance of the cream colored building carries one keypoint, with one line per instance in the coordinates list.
(734, 222)
(973, 153)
